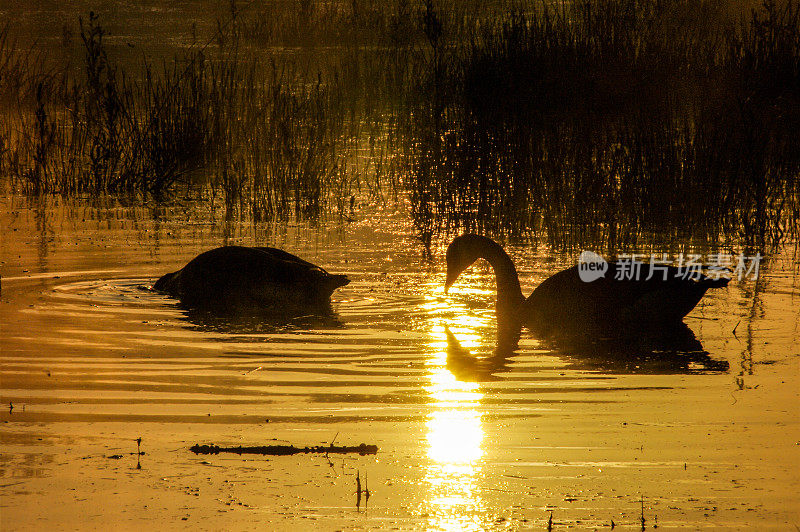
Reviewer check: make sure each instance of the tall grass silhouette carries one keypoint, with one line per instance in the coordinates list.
(611, 123)
(607, 122)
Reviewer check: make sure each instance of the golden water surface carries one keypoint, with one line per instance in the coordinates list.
(92, 360)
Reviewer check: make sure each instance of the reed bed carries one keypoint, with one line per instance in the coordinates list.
(609, 122)
(603, 123)
(218, 122)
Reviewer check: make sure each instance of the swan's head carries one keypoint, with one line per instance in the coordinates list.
(461, 253)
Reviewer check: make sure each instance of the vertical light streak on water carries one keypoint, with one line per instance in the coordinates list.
(455, 438)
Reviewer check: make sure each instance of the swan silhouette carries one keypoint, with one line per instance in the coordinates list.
(565, 304)
(236, 279)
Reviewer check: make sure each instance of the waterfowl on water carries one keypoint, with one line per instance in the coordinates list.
(566, 304)
(235, 279)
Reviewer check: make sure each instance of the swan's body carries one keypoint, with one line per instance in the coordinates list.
(234, 279)
(565, 303)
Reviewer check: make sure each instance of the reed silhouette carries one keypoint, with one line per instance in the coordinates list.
(607, 123)
(615, 122)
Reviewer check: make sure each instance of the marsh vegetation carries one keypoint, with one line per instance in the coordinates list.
(615, 123)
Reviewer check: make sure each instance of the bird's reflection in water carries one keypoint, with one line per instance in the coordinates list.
(258, 323)
(467, 367)
(672, 350)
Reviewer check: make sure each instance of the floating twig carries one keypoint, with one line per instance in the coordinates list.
(286, 450)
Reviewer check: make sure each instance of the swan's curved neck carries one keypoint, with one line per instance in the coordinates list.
(509, 293)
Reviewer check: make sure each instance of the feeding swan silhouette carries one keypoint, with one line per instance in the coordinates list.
(566, 304)
(236, 279)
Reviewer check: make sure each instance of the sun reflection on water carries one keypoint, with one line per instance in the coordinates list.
(455, 437)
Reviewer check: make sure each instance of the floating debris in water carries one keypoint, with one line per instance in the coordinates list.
(286, 450)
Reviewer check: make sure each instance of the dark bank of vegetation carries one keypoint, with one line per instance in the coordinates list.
(611, 122)
(607, 121)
